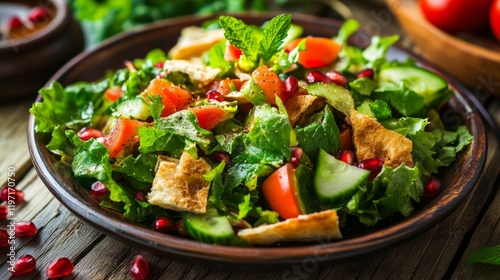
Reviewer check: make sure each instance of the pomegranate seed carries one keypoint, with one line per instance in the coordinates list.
(366, 73)
(218, 157)
(14, 23)
(181, 229)
(372, 164)
(24, 264)
(213, 95)
(38, 14)
(432, 187)
(3, 212)
(139, 268)
(99, 189)
(140, 196)
(88, 133)
(317, 76)
(4, 238)
(164, 224)
(347, 156)
(59, 268)
(11, 194)
(159, 65)
(337, 78)
(25, 229)
(296, 156)
(291, 86)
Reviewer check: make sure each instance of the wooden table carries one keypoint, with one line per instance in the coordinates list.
(437, 253)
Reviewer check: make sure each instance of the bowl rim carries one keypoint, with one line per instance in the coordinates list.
(55, 25)
(188, 250)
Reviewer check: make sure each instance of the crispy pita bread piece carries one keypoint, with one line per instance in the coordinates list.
(301, 107)
(194, 41)
(179, 184)
(199, 73)
(372, 140)
(312, 227)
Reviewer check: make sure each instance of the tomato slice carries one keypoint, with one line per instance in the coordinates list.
(232, 53)
(280, 192)
(270, 84)
(123, 136)
(226, 86)
(210, 115)
(346, 140)
(319, 52)
(174, 98)
(113, 93)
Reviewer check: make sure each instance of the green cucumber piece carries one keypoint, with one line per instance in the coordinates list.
(135, 108)
(304, 178)
(338, 97)
(293, 33)
(209, 227)
(425, 83)
(335, 181)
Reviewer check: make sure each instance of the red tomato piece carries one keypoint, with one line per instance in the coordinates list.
(319, 52)
(270, 84)
(113, 93)
(209, 116)
(232, 53)
(123, 136)
(346, 140)
(280, 192)
(174, 98)
(225, 86)
(495, 18)
(456, 15)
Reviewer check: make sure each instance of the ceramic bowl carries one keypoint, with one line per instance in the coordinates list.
(28, 61)
(457, 181)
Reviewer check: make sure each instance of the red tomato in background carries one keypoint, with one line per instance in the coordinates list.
(457, 15)
(495, 18)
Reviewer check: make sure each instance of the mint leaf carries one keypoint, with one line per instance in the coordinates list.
(488, 255)
(241, 36)
(274, 33)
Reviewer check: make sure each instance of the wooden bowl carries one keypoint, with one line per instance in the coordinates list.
(457, 181)
(471, 58)
(27, 62)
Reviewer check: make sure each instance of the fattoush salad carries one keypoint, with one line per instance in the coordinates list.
(248, 135)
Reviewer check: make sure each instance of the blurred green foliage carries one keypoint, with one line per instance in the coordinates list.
(101, 19)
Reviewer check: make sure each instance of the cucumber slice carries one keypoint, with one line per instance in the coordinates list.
(293, 33)
(209, 227)
(304, 177)
(335, 181)
(338, 97)
(425, 83)
(135, 108)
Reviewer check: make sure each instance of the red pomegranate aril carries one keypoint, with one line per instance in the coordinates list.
(139, 268)
(99, 189)
(140, 196)
(218, 157)
(317, 76)
(3, 212)
(14, 23)
(11, 194)
(24, 264)
(296, 156)
(337, 78)
(372, 164)
(291, 85)
(432, 187)
(213, 95)
(25, 228)
(4, 238)
(38, 14)
(366, 73)
(159, 65)
(347, 156)
(88, 133)
(59, 268)
(164, 224)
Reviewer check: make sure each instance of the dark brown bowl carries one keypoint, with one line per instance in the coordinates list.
(26, 63)
(457, 180)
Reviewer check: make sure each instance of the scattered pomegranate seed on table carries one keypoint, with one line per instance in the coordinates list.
(15, 23)
(3, 212)
(139, 268)
(24, 264)
(25, 229)
(59, 268)
(164, 224)
(38, 14)
(4, 238)
(16, 195)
